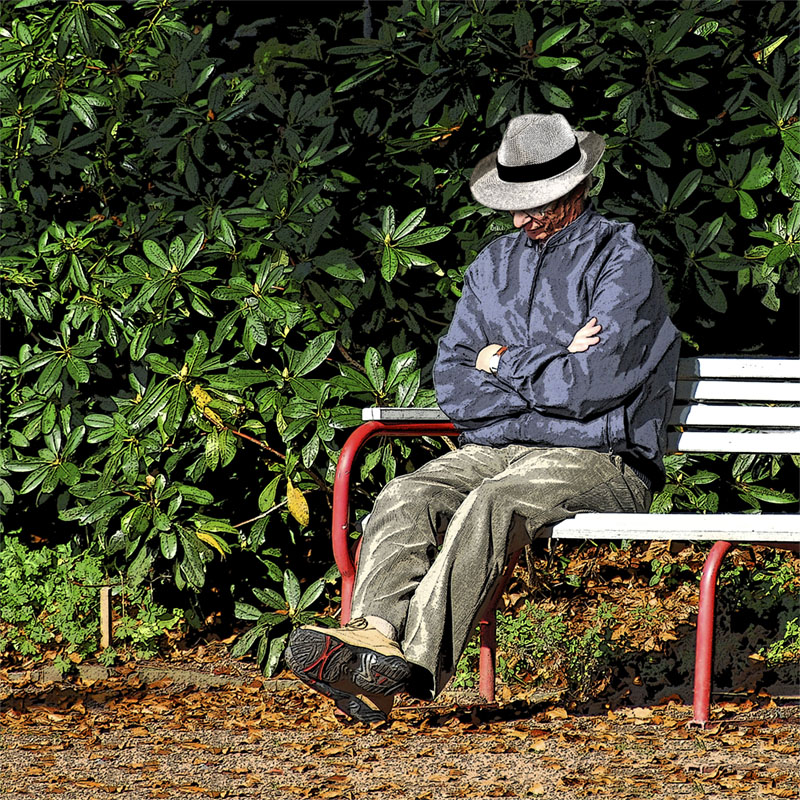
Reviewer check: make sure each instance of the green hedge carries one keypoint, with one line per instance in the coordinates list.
(224, 235)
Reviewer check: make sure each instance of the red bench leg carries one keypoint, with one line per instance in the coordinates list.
(705, 634)
(341, 491)
(488, 629)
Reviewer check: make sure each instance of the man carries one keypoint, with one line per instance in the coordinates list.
(559, 369)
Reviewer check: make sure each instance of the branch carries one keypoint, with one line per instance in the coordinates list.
(261, 516)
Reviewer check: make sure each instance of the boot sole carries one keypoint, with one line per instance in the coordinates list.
(332, 667)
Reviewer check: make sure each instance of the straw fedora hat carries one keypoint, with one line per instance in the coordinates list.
(541, 158)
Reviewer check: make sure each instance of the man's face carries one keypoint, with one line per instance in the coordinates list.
(530, 217)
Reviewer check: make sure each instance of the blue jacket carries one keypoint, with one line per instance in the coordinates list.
(533, 298)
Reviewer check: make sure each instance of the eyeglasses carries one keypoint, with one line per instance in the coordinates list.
(535, 212)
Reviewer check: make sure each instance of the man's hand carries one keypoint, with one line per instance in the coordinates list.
(482, 362)
(585, 338)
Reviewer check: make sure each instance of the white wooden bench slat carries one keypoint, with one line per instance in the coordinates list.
(387, 414)
(749, 368)
(688, 416)
(725, 442)
(711, 416)
(681, 527)
(742, 391)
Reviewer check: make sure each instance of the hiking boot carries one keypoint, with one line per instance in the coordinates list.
(357, 666)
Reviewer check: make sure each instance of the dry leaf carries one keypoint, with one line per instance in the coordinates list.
(298, 507)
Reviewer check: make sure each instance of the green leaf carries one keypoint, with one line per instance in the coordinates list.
(6, 492)
(246, 611)
(552, 37)
(78, 370)
(747, 206)
(50, 376)
(266, 499)
(192, 565)
(310, 451)
(83, 111)
(35, 478)
(387, 221)
(197, 353)
(168, 542)
(246, 641)
(409, 224)
(710, 291)
(176, 252)
(140, 341)
(425, 236)
(502, 101)
(315, 353)
(27, 409)
(291, 589)
(193, 494)
(311, 594)
(679, 107)
(269, 597)
(753, 133)
(400, 365)
(709, 233)
(140, 567)
(565, 64)
(276, 649)
(176, 407)
(153, 403)
(155, 254)
(686, 187)
(658, 188)
(618, 88)
(389, 263)
(791, 138)
(554, 95)
(373, 364)
(771, 495)
(728, 262)
(759, 176)
(359, 77)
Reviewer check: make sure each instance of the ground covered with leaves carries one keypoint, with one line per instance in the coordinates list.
(131, 738)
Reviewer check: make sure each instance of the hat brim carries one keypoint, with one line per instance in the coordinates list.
(488, 189)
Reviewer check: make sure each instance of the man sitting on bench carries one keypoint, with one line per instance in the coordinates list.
(559, 369)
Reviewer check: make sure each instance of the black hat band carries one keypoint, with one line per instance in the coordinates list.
(540, 172)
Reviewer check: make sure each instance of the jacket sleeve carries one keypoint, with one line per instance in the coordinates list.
(628, 302)
(470, 397)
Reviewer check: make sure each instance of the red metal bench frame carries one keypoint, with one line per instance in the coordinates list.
(347, 566)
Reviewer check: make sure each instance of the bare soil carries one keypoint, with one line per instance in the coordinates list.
(161, 737)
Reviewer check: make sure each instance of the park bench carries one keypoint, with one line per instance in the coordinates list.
(722, 405)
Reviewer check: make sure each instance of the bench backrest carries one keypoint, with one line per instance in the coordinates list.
(736, 405)
(722, 405)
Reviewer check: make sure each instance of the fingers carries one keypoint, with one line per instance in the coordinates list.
(591, 328)
(586, 337)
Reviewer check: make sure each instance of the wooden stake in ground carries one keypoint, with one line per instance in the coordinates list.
(105, 617)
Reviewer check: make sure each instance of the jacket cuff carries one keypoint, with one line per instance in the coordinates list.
(520, 365)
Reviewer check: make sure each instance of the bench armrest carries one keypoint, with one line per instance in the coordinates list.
(385, 414)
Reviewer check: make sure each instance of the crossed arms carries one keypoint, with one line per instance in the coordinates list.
(585, 338)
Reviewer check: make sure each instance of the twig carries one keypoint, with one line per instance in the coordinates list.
(311, 474)
(349, 359)
(261, 516)
(261, 444)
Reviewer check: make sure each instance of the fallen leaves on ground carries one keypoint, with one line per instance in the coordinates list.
(126, 738)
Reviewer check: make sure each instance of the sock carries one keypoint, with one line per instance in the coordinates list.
(383, 626)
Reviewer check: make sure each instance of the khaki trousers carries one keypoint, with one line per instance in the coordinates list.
(489, 501)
